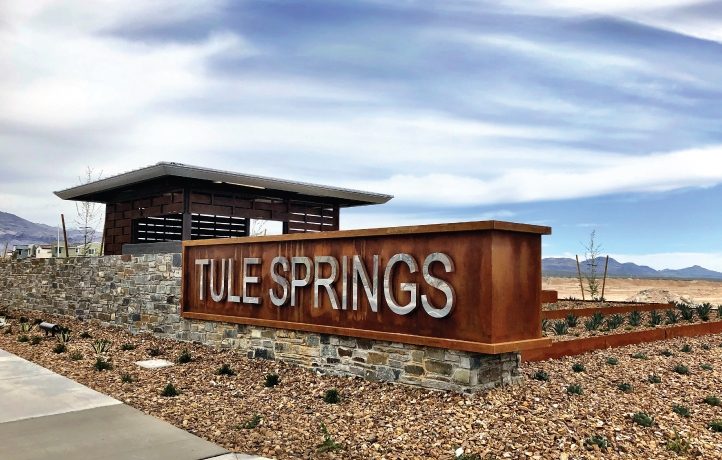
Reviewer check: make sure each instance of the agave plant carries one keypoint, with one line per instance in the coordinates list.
(64, 336)
(672, 317)
(614, 321)
(686, 312)
(572, 320)
(101, 346)
(655, 319)
(25, 327)
(704, 310)
(634, 318)
(560, 327)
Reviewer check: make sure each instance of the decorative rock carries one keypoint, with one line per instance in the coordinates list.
(154, 363)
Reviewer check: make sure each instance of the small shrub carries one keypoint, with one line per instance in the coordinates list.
(76, 356)
(666, 353)
(625, 387)
(574, 389)
(686, 312)
(225, 369)
(102, 365)
(127, 347)
(560, 327)
(35, 340)
(85, 335)
(712, 401)
(23, 338)
(469, 456)
(60, 348)
(572, 320)
(541, 376)
(578, 367)
(639, 355)
(686, 348)
(101, 346)
(590, 325)
(680, 410)
(655, 319)
(704, 310)
(64, 336)
(654, 378)
(612, 361)
(271, 380)
(681, 369)
(25, 327)
(614, 321)
(153, 352)
(8, 329)
(331, 396)
(643, 419)
(23, 319)
(597, 440)
(185, 357)
(706, 347)
(251, 423)
(169, 391)
(715, 425)
(678, 444)
(634, 318)
(672, 317)
(127, 378)
(706, 367)
(545, 325)
(328, 444)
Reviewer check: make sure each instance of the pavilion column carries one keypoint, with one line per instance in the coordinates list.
(187, 218)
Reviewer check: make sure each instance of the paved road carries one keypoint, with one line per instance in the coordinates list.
(44, 415)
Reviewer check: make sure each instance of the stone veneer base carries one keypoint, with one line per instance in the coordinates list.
(141, 294)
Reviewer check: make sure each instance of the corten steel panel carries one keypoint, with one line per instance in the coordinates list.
(496, 280)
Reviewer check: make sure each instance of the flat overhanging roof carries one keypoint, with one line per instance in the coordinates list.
(100, 190)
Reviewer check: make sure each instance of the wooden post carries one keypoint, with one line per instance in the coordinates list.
(604, 280)
(65, 236)
(579, 272)
(187, 226)
(101, 252)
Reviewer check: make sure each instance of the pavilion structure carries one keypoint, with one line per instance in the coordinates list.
(155, 208)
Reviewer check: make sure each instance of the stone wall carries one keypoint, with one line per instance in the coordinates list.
(141, 294)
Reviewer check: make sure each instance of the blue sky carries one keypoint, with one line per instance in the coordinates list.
(604, 117)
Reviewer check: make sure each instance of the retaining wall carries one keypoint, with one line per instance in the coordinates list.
(142, 294)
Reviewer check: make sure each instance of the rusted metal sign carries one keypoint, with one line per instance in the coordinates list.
(471, 286)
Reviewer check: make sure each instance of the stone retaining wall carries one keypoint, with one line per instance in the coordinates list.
(141, 294)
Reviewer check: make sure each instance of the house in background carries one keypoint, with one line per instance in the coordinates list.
(22, 251)
(44, 251)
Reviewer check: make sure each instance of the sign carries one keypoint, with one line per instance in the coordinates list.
(470, 286)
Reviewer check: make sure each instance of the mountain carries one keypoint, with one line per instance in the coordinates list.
(562, 266)
(16, 230)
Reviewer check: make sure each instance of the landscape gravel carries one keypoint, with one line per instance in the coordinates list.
(533, 420)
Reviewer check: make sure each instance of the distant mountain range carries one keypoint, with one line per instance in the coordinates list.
(16, 230)
(562, 266)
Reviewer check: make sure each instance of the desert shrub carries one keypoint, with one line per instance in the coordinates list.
(25, 327)
(225, 369)
(271, 380)
(85, 335)
(704, 310)
(154, 351)
(614, 321)
(184, 357)
(672, 317)
(331, 396)
(715, 425)
(678, 444)
(654, 378)
(597, 440)
(169, 391)
(8, 329)
(680, 410)
(686, 312)
(127, 347)
(598, 318)
(643, 419)
(574, 389)
(681, 369)
(686, 348)
(60, 348)
(23, 338)
(572, 320)
(712, 401)
(102, 365)
(655, 318)
(666, 353)
(101, 346)
(625, 387)
(328, 444)
(590, 325)
(706, 367)
(578, 367)
(23, 319)
(127, 378)
(468, 456)
(545, 325)
(64, 336)
(251, 423)
(634, 318)
(541, 376)
(35, 340)
(706, 347)
(612, 361)
(560, 327)
(76, 356)
(640, 355)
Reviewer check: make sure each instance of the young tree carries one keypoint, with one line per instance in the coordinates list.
(89, 214)
(592, 253)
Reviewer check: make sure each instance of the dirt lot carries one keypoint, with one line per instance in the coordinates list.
(624, 288)
(539, 419)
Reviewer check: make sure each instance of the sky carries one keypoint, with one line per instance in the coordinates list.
(601, 117)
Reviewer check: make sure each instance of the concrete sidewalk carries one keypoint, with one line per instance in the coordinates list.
(44, 415)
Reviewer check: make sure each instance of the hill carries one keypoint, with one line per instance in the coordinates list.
(16, 230)
(562, 266)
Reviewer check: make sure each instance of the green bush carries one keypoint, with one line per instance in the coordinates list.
(76, 356)
(574, 389)
(60, 348)
(686, 348)
(127, 378)
(707, 367)
(578, 367)
(643, 419)
(597, 440)
(712, 401)
(225, 369)
(655, 319)
(560, 327)
(704, 310)
(251, 423)
(35, 340)
(328, 444)
(681, 369)
(102, 365)
(331, 396)
(634, 318)
(185, 357)
(101, 346)
(169, 391)
(672, 317)
(545, 325)
(612, 361)
(654, 378)
(686, 312)
(127, 347)
(153, 352)
(572, 320)
(715, 425)
(271, 380)
(625, 387)
(666, 353)
(681, 410)
(594, 322)
(678, 444)
(614, 321)
(541, 376)
(639, 355)
(85, 335)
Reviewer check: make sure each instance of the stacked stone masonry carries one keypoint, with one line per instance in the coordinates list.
(142, 294)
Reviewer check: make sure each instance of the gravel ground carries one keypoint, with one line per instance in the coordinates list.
(578, 304)
(536, 419)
